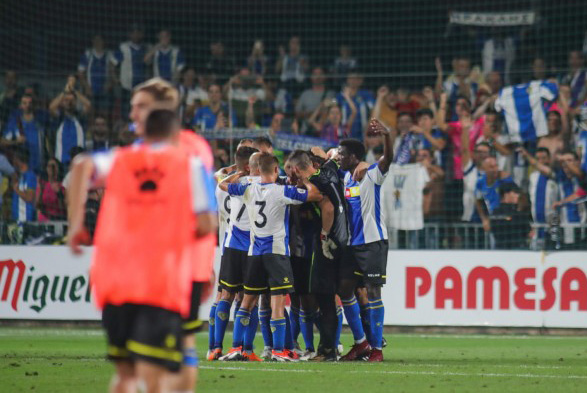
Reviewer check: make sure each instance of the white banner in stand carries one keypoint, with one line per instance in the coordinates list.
(425, 288)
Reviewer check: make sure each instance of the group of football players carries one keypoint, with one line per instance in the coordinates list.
(313, 232)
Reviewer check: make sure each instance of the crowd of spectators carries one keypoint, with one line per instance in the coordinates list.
(498, 155)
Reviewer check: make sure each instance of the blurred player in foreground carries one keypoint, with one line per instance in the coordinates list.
(158, 93)
(142, 278)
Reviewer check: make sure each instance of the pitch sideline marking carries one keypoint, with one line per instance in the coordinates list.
(448, 374)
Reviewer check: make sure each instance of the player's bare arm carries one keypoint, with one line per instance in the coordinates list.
(77, 193)
(231, 179)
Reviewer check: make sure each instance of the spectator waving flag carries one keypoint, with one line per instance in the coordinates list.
(524, 110)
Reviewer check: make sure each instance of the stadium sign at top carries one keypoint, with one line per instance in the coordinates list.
(493, 18)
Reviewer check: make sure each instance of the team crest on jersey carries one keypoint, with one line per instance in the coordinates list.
(170, 341)
(398, 182)
(286, 280)
(223, 316)
(351, 192)
(301, 191)
(148, 178)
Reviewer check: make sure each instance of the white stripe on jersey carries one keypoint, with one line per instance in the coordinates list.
(223, 201)
(365, 210)
(239, 219)
(542, 197)
(470, 177)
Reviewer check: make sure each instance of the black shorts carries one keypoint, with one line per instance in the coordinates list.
(367, 262)
(141, 332)
(301, 268)
(269, 272)
(192, 323)
(233, 265)
(325, 273)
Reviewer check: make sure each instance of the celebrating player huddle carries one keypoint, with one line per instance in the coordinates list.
(316, 235)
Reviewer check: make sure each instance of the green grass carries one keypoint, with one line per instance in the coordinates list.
(72, 360)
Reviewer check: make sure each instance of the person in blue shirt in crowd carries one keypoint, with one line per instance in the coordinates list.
(26, 127)
(215, 115)
(364, 101)
(24, 188)
(68, 111)
(487, 189)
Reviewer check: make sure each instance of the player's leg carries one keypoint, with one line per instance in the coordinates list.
(231, 280)
(349, 273)
(155, 344)
(212, 327)
(328, 324)
(185, 380)
(294, 315)
(125, 379)
(255, 283)
(265, 322)
(250, 334)
(361, 295)
(281, 282)
(307, 318)
(373, 259)
(152, 377)
(117, 321)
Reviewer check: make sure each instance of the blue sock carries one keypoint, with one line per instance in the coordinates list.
(288, 343)
(222, 317)
(307, 327)
(264, 318)
(366, 321)
(278, 328)
(212, 327)
(377, 315)
(353, 318)
(339, 326)
(243, 317)
(237, 306)
(251, 331)
(294, 319)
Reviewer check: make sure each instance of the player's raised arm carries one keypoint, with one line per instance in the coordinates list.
(314, 194)
(376, 127)
(231, 180)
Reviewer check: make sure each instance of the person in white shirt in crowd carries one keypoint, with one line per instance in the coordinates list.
(130, 58)
(257, 62)
(95, 75)
(292, 66)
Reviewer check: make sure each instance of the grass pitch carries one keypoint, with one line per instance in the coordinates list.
(72, 360)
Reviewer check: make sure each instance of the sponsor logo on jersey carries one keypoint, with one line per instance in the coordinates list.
(351, 192)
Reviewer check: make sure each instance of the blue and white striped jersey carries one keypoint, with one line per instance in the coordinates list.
(168, 62)
(69, 133)
(22, 210)
(96, 67)
(131, 59)
(543, 193)
(268, 209)
(524, 110)
(365, 212)
(238, 233)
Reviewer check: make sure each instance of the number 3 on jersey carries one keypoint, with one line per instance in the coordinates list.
(263, 222)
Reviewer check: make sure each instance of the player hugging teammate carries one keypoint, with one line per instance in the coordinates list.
(315, 234)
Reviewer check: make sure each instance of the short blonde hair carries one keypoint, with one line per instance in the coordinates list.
(163, 92)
